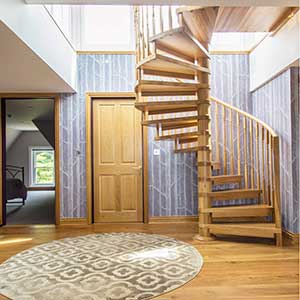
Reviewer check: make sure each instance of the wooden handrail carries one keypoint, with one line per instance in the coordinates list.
(257, 147)
(242, 112)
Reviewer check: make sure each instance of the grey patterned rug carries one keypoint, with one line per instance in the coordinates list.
(114, 266)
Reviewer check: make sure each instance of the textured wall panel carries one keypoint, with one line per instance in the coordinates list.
(295, 110)
(273, 103)
(96, 73)
(173, 177)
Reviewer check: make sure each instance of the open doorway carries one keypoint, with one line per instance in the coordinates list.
(28, 131)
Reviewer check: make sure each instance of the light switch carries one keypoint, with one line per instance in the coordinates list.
(156, 152)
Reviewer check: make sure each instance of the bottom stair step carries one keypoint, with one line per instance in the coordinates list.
(264, 230)
(257, 210)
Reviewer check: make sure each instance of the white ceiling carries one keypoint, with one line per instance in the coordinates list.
(177, 2)
(22, 70)
(20, 113)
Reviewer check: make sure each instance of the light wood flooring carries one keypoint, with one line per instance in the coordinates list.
(233, 269)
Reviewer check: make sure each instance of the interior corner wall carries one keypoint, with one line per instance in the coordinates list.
(277, 104)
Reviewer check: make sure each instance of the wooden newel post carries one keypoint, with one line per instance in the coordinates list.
(203, 156)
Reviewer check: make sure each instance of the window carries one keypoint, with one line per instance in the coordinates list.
(42, 167)
(107, 28)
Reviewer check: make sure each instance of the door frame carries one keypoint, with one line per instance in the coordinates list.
(90, 96)
(56, 98)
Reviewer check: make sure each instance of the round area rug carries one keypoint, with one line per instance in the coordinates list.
(114, 266)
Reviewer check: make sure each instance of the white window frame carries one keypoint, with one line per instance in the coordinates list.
(31, 168)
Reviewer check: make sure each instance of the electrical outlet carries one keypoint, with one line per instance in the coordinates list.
(156, 152)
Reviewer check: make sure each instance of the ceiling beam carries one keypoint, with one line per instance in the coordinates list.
(283, 3)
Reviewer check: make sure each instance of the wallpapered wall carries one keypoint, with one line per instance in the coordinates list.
(295, 110)
(173, 180)
(100, 73)
(173, 177)
(277, 104)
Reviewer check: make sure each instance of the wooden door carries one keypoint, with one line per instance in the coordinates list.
(117, 161)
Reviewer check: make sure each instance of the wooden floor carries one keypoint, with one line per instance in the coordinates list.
(232, 269)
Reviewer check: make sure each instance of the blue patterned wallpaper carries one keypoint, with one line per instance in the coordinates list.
(96, 73)
(173, 177)
(173, 180)
(273, 103)
(295, 109)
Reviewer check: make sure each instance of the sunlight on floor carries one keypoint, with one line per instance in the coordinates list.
(13, 241)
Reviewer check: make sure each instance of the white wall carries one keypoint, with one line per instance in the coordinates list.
(35, 27)
(11, 136)
(18, 153)
(275, 53)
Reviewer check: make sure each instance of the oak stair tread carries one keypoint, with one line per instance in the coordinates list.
(194, 19)
(180, 42)
(264, 230)
(161, 107)
(223, 179)
(168, 88)
(174, 121)
(192, 149)
(181, 135)
(235, 194)
(255, 210)
(216, 165)
(163, 65)
(188, 139)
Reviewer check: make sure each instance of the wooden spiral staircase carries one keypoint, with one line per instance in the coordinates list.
(237, 154)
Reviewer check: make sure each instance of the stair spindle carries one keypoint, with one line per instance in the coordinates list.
(161, 23)
(267, 168)
(216, 131)
(238, 142)
(147, 30)
(143, 33)
(251, 153)
(257, 138)
(263, 164)
(271, 171)
(245, 153)
(153, 21)
(231, 143)
(224, 141)
(170, 17)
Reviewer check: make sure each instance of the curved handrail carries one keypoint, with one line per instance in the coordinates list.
(244, 113)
